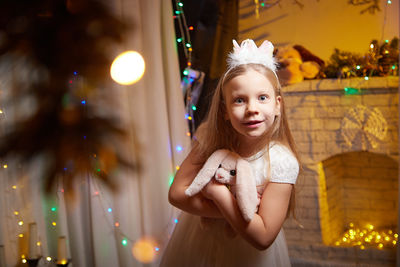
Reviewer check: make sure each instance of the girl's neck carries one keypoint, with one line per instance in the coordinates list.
(248, 147)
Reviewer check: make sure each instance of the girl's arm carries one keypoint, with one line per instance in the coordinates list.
(262, 230)
(197, 204)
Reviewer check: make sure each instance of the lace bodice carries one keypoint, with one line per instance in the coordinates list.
(284, 166)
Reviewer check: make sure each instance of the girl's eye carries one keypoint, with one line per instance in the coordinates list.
(239, 100)
(263, 97)
(232, 172)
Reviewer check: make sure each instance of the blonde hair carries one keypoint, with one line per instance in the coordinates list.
(217, 132)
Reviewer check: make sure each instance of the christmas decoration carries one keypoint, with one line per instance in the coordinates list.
(64, 50)
(380, 60)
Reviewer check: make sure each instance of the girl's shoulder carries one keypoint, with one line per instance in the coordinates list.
(284, 165)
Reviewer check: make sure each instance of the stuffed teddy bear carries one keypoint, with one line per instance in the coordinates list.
(229, 168)
(297, 64)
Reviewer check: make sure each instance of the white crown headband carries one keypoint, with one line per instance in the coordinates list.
(248, 52)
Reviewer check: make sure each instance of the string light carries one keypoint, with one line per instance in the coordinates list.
(124, 242)
(5, 166)
(177, 168)
(48, 259)
(368, 236)
(54, 223)
(170, 180)
(178, 148)
(20, 223)
(109, 209)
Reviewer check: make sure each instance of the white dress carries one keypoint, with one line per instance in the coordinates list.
(193, 245)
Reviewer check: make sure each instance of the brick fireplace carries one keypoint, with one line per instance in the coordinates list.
(347, 136)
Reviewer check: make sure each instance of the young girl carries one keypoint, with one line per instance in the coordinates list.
(247, 116)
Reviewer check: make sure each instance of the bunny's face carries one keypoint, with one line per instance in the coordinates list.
(226, 172)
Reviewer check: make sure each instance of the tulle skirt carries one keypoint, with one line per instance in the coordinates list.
(192, 244)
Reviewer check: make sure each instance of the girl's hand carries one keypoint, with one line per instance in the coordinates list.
(212, 189)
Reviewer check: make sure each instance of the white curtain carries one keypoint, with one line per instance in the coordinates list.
(100, 227)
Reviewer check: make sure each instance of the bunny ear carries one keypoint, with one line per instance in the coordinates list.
(207, 172)
(246, 190)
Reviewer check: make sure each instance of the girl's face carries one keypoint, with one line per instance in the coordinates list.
(251, 105)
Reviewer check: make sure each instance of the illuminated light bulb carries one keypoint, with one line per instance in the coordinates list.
(378, 237)
(366, 78)
(177, 168)
(262, 4)
(20, 223)
(23, 256)
(394, 242)
(5, 166)
(393, 67)
(179, 148)
(53, 209)
(75, 73)
(180, 4)
(362, 247)
(190, 118)
(190, 49)
(194, 107)
(116, 224)
(189, 64)
(124, 242)
(16, 212)
(380, 245)
(14, 187)
(48, 258)
(23, 260)
(361, 234)
(21, 235)
(191, 28)
(337, 243)
(188, 133)
(387, 238)
(179, 40)
(177, 12)
(176, 221)
(143, 250)
(156, 248)
(54, 223)
(109, 209)
(127, 68)
(386, 52)
(396, 236)
(83, 102)
(389, 2)
(188, 45)
(185, 72)
(371, 46)
(358, 67)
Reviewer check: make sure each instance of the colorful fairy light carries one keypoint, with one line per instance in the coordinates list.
(170, 180)
(124, 242)
(109, 209)
(178, 148)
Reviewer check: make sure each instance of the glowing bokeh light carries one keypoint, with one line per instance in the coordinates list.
(144, 250)
(127, 68)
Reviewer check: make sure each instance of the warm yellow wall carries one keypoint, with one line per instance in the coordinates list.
(319, 26)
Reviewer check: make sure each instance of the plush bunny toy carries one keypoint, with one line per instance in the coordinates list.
(229, 168)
